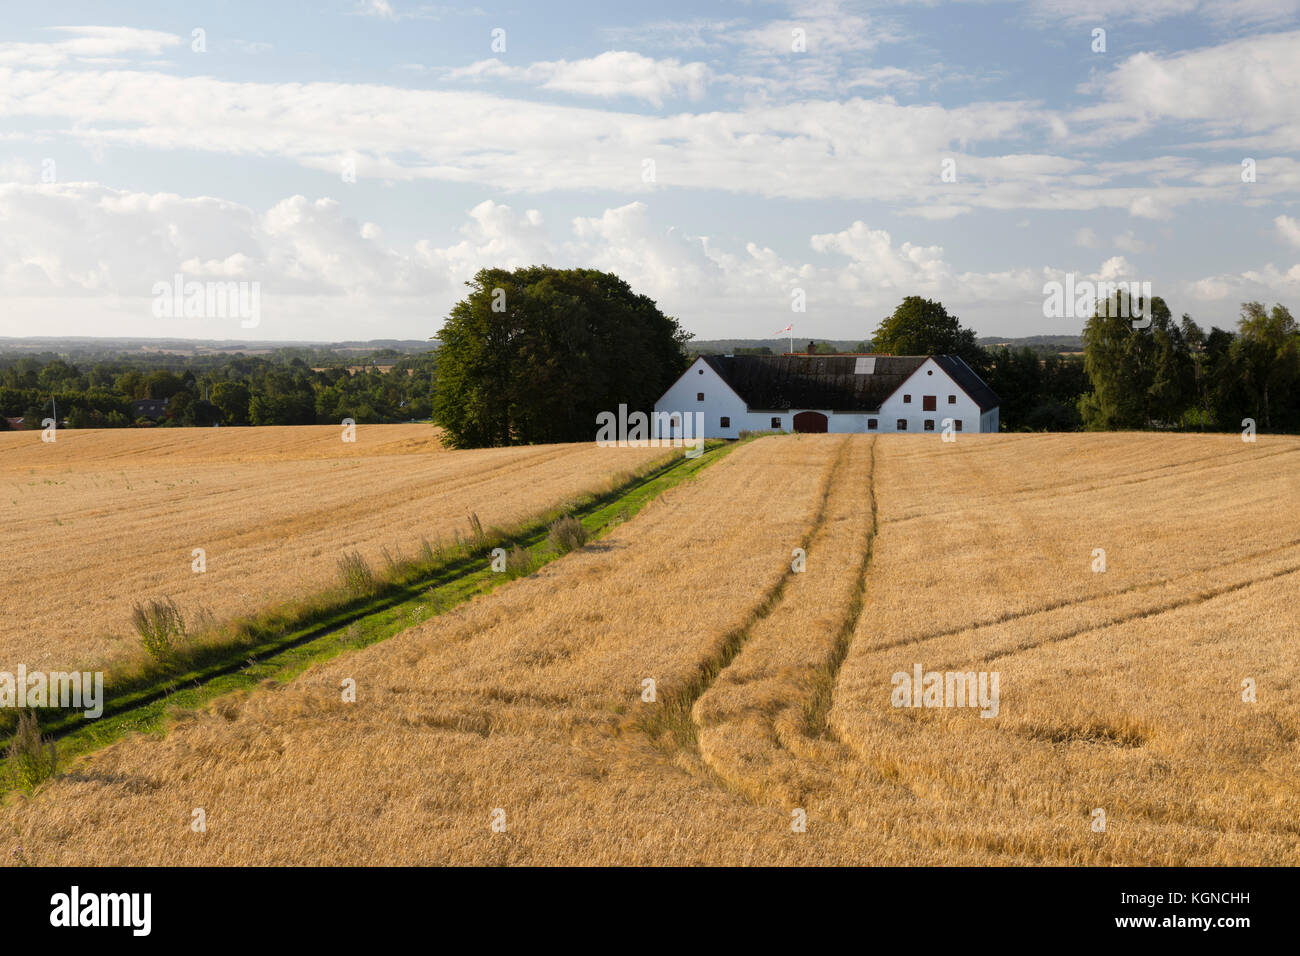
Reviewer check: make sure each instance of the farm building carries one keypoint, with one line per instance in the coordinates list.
(830, 393)
(152, 408)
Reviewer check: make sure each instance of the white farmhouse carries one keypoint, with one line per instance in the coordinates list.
(835, 393)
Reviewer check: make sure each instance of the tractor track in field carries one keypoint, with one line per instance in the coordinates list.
(818, 709)
(1098, 599)
(674, 718)
(678, 719)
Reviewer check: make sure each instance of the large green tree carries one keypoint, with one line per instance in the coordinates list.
(534, 354)
(1140, 376)
(233, 399)
(923, 327)
(1267, 355)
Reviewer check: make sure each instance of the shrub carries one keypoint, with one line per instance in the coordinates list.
(567, 534)
(355, 572)
(32, 759)
(161, 628)
(519, 562)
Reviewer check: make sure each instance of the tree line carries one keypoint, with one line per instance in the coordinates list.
(282, 389)
(533, 354)
(1151, 372)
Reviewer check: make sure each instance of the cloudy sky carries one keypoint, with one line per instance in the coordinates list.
(361, 159)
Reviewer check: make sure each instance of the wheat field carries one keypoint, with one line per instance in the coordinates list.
(520, 728)
(99, 519)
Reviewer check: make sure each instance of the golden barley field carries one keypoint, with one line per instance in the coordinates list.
(99, 519)
(1148, 713)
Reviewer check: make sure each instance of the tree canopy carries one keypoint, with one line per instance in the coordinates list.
(1173, 375)
(534, 354)
(923, 327)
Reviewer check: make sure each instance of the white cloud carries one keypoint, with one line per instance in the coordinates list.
(1102, 12)
(385, 10)
(1241, 92)
(611, 74)
(854, 148)
(1268, 284)
(876, 263)
(1130, 243)
(1288, 229)
(868, 149)
(89, 44)
(77, 251)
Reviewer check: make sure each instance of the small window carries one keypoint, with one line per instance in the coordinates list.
(929, 403)
(871, 424)
(776, 421)
(902, 424)
(725, 422)
(952, 399)
(956, 424)
(699, 396)
(907, 399)
(929, 371)
(701, 371)
(929, 424)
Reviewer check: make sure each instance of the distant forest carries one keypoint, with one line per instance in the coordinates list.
(285, 386)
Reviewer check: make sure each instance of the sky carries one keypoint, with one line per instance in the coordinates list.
(746, 165)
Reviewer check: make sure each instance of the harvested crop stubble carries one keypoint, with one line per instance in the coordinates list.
(523, 700)
(1119, 691)
(100, 519)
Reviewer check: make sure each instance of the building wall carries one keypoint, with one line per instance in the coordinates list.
(721, 402)
(930, 379)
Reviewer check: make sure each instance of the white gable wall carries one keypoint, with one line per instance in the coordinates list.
(931, 379)
(721, 402)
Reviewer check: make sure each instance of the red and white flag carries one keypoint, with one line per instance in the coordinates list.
(788, 328)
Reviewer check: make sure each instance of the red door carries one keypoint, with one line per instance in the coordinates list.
(810, 422)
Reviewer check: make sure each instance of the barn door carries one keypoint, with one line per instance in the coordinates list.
(810, 422)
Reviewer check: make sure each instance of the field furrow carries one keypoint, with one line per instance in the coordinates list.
(760, 720)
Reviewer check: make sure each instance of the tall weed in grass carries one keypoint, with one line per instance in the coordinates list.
(478, 538)
(32, 759)
(356, 574)
(161, 627)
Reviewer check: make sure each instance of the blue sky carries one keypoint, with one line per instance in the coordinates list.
(360, 160)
